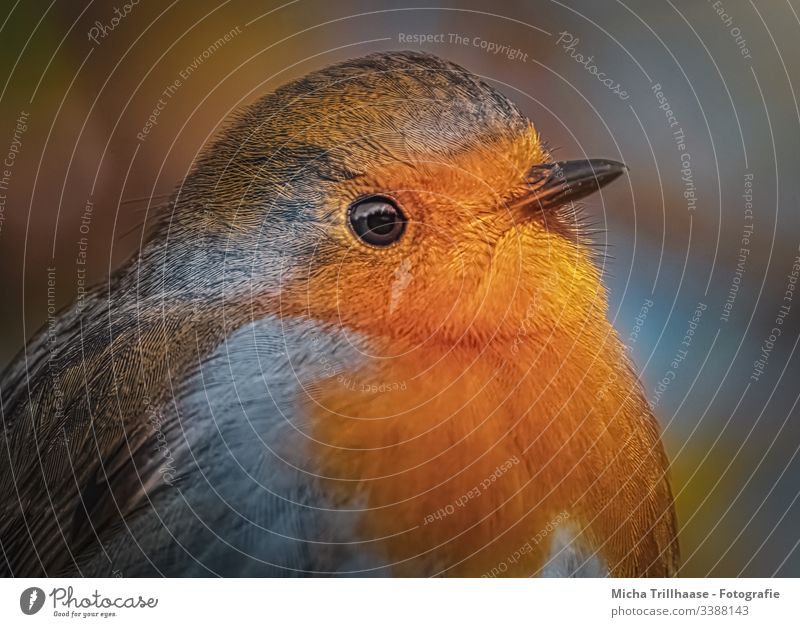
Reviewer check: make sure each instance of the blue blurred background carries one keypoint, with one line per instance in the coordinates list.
(699, 98)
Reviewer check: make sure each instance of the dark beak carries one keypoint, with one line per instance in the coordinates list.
(555, 184)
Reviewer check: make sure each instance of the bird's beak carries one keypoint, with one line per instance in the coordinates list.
(555, 184)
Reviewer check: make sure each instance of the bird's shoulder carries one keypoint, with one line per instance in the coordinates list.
(234, 488)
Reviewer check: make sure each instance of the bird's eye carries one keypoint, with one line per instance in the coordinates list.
(377, 221)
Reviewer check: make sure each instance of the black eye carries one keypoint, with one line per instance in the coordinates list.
(377, 221)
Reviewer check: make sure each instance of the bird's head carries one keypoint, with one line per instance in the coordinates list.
(401, 196)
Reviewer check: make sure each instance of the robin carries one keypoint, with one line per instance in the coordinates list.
(367, 337)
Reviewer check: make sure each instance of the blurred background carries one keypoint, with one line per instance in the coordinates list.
(105, 105)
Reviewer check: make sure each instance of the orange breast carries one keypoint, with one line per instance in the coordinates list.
(465, 461)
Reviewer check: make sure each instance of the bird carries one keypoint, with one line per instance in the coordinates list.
(368, 335)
